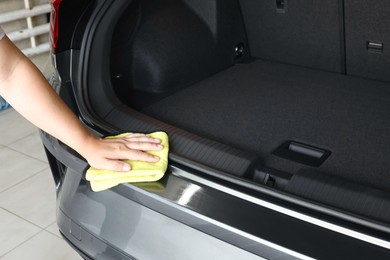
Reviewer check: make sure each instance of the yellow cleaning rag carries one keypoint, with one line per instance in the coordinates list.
(140, 171)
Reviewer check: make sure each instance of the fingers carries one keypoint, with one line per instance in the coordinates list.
(107, 153)
(142, 156)
(141, 138)
(134, 151)
(122, 144)
(140, 142)
(113, 161)
(113, 165)
(144, 146)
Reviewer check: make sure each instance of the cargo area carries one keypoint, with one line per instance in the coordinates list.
(302, 85)
(259, 105)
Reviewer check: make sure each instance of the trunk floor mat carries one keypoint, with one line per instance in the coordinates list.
(259, 105)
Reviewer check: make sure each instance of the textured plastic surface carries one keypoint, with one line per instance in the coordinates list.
(189, 146)
(347, 195)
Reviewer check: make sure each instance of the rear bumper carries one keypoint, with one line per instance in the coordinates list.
(186, 215)
(107, 225)
(147, 221)
(135, 222)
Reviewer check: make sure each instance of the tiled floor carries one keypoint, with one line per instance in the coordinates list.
(27, 195)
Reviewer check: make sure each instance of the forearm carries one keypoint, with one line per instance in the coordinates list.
(25, 88)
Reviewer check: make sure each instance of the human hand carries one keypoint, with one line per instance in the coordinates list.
(107, 153)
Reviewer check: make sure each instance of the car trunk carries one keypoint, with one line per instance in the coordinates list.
(294, 95)
(260, 105)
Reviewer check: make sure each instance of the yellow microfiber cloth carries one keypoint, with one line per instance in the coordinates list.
(140, 171)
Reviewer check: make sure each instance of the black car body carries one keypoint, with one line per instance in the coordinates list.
(278, 118)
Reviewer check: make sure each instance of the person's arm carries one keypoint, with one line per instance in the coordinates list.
(26, 89)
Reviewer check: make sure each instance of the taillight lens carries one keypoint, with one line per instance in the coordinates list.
(55, 7)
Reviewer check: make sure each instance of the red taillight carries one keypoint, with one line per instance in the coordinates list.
(55, 6)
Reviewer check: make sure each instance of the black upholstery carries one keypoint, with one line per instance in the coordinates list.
(258, 106)
(308, 33)
(367, 21)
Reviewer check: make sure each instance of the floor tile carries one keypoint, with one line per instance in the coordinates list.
(14, 127)
(33, 199)
(31, 146)
(53, 228)
(14, 231)
(16, 167)
(43, 246)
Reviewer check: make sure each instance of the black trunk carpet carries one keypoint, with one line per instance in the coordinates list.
(259, 105)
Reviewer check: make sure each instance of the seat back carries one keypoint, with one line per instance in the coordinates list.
(302, 32)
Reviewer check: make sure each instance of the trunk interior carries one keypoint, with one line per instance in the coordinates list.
(254, 108)
(302, 86)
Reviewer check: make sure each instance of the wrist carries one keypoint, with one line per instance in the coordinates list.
(87, 146)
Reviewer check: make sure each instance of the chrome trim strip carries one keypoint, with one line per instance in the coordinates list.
(224, 226)
(251, 237)
(291, 213)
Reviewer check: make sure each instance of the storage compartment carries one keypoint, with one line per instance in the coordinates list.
(255, 76)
